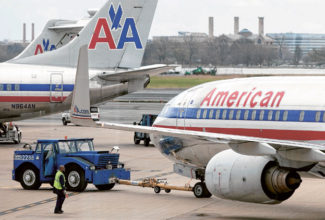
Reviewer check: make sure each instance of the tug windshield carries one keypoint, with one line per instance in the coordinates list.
(75, 146)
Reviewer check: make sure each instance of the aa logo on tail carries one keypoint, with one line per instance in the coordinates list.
(129, 33)
(45, 47)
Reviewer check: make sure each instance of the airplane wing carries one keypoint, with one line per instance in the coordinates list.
(136, 73)
(291, 150)
(241, 144)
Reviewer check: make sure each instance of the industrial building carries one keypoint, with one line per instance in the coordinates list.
(306, 42)
(183, 36)
(258, 38)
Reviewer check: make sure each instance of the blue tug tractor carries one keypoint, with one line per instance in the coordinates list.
(82, 163)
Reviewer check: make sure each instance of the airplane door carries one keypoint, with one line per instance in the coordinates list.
(181, 113)
(180, 118)
(56, 87)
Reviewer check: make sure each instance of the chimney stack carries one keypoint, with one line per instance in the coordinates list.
(236, 25)
(24, 33)
(33, 31)
(211, 30)
(261, 26)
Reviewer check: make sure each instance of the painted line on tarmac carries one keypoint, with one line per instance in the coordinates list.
(10, 211)
(9, 187)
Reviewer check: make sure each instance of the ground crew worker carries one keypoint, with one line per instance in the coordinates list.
(59, 189)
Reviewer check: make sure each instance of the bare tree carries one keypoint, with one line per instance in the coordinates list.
(316, 57)
(9, 51)
(192, 47)
(221, 51)
(297, 55)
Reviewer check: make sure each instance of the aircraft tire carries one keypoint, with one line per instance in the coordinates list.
(200, 190)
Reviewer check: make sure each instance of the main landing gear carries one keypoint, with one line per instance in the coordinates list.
(200, 190)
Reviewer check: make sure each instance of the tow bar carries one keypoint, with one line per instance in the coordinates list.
(156, 184)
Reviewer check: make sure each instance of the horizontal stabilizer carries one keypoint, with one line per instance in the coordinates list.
(136, 73)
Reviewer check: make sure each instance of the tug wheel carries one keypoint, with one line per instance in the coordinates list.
(157, 189)
(29, 178)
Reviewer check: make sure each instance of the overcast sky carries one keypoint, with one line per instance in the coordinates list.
(306, 16)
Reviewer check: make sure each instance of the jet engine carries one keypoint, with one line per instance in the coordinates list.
(256, 179)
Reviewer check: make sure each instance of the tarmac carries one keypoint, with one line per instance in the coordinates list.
(129, 202)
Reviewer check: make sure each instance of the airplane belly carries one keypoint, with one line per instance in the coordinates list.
(187, 151)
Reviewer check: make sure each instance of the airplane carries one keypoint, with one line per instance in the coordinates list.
(40, 80)
(246, 139)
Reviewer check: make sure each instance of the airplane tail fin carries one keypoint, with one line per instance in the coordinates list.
(50, 39)
(116, 37)
(80, 107)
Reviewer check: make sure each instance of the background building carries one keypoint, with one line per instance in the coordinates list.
(258, 38)
(306, 42)
(183, 36)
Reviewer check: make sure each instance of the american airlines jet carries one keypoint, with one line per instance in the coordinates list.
(36, 83)
(248, 139)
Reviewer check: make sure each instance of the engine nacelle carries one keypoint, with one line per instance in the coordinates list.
(256, 179)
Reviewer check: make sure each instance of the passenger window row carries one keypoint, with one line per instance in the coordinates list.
(262, 115)
(9, 87)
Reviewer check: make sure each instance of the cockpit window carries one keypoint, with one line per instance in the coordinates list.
(164, 111)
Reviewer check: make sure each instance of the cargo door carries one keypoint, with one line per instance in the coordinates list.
(56, 88)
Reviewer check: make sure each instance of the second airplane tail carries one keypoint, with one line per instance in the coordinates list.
(116, 37)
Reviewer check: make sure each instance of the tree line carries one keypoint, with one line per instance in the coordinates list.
(9, 51)
(219, 51)
(222, 51)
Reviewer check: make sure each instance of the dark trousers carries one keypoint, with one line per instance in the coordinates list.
(60, 199)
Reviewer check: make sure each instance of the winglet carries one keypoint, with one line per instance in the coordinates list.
(80, 106)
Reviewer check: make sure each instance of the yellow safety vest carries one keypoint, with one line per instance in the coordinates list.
(57, 183)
